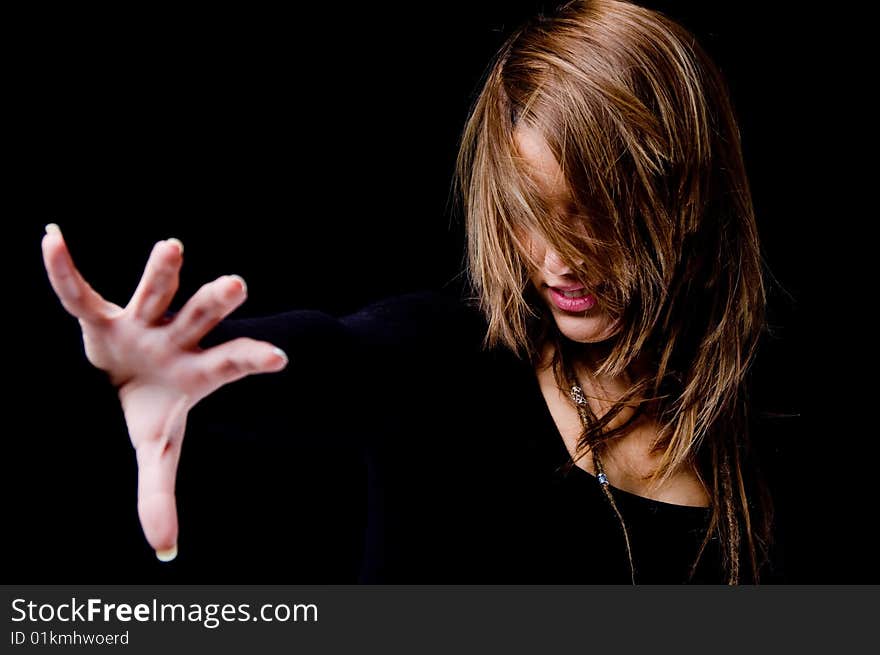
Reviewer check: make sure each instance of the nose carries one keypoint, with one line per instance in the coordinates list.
(554, 264)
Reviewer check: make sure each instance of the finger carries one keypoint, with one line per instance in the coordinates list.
(75, 294)
(234, 360)
(159, 282)
(208, 306)
(157, 504)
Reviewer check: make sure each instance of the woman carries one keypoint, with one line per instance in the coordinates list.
(612, 248)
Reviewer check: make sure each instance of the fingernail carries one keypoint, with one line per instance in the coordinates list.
(167, 555)
(176, 242)
(281, 354)
(52, 228)
(243, 283)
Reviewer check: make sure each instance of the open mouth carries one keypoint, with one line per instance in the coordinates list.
(579, 292)
(572, 299)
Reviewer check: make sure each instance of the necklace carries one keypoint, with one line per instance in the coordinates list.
(580, 401)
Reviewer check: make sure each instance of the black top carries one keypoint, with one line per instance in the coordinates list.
(461, 476)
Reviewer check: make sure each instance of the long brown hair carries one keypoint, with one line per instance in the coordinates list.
(641, 123)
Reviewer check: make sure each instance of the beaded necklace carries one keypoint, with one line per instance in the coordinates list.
(580, 401)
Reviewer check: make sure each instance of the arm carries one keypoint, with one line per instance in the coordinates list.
(347, 379)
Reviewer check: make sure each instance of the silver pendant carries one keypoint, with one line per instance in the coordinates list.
(577, 395)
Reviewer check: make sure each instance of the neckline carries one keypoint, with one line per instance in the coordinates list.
(636, 498)
(562, 456)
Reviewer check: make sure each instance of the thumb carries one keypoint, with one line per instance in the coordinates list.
(157, 503)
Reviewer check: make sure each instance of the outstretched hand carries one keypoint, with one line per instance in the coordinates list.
(156, 365)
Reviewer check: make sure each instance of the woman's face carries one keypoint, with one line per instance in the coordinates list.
(576, 311)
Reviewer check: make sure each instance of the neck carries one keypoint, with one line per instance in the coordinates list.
(632, 453)
(602, 390)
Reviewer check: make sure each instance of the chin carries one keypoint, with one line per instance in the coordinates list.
(585, 329)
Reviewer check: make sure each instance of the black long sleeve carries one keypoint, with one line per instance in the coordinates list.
(395, 448)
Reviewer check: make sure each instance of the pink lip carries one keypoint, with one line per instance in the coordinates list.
(570, 287)
(572, 304)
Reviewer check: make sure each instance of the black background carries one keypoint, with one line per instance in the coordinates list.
(311, 152)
